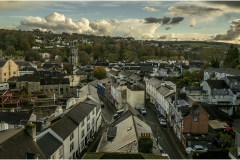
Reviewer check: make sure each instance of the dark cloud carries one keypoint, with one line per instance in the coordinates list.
(164, 20)
(153, 20)
(167, 28)
(232, 4)
(232, 34)
(163, 37)
(197, 27)
(193, 10)
(176, 20)
(191, 25)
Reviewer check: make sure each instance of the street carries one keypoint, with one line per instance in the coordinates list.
(161, 133)
(170, 144)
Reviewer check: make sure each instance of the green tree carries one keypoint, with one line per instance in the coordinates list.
(84, 58)
(24, 45)
(231, 58)
(10, 51)
(99, 72)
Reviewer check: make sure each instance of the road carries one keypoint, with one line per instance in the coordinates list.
(108, 110)
(164, 138)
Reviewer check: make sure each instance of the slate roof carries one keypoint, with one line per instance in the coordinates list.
(51, 81)
(194, 88)
(132, 67)
(48, 73)
(28, 78)
(23, 64)
(14, 117)
(164, 91)
(80, 72)
(2, 63)
(215, 113)
(154, 82)
(27, 69)
(48, 144)
(81, 111)
(217, 84)
(17, 145)
(112, 72)
(146, 68)
(231, 71)
(64, 127)
(50, 65)
(126, 73)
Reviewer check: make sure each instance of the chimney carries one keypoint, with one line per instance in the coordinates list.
(31, 130)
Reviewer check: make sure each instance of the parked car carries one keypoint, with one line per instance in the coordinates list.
(162, 122)
(196, 148)
(102, 104)
(160, 116)
(143, 111)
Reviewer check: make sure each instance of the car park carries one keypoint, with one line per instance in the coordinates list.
(197, 149)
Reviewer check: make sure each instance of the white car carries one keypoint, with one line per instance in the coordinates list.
(143, 111)
(162, 122)
(196, 148)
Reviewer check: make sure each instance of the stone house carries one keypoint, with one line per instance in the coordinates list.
(8, 69)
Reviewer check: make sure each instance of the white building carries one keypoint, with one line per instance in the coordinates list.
(67, 137)
(118, 95)
(135, 97)
(219, 73)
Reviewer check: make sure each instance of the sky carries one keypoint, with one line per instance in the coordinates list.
(146, 20)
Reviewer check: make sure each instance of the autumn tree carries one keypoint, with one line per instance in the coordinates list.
(99, 72)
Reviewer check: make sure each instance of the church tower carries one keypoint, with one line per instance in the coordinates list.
(73, 56)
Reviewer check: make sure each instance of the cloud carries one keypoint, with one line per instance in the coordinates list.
(232, 34)
(153, 20)
(176, 20)
(164, 21)
(135, 28)
(170, 36)
(196, 13)
(102, 27)
(149, 9)
(193, 10)
(191, 25)
(231, 4)
(167, 28)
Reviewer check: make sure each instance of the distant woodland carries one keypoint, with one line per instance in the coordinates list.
(91, 48)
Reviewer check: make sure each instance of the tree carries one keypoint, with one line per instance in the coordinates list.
(99, 72)
(10, 51)
(231, 58)
(84, 58)
(24, 45)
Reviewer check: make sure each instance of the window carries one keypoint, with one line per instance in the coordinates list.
(93, 112)
(71, 136)
(82, 133)
(88, 126)
(60, 152)
(46, 90)
(9, 73)
(82, 145)
(72, 146)
(88, 117)
(53, 157)
(93, 121)
(4, 74)
(83, 123)
(195, 118)
(14, 72)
